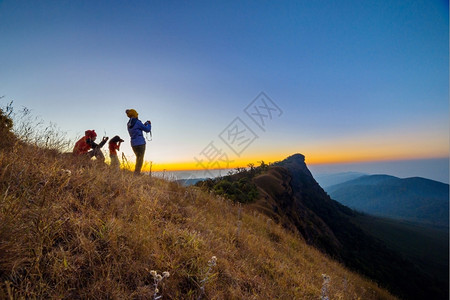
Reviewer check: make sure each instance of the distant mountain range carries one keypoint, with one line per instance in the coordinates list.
(288, 194)
(414, 199)
(189, 181)
(327, 180)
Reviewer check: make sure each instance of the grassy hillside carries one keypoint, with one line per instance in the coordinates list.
(69, 231)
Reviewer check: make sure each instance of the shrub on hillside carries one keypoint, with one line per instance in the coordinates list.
(237, 187)
(7, 137)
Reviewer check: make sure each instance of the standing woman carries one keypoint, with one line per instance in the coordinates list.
(135, 128)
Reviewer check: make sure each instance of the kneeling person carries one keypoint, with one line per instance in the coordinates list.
(86, 146)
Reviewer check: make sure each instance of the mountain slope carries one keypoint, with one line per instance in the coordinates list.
(426, 246)
(414, 199)
(290, 194)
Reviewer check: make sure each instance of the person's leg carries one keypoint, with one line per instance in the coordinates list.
(98, 154)
(90, 154)
(139, 151)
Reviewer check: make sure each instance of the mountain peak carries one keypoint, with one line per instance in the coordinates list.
(296, 164)
(297, 157)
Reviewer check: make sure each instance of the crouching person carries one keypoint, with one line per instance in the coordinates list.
(87, 147)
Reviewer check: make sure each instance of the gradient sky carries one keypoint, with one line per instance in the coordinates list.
(354, 81)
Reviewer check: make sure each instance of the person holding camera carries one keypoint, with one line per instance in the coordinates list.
(135, 129)
(114, 145)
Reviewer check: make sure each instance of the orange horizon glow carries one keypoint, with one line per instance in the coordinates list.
(399, 144)
(309, 159)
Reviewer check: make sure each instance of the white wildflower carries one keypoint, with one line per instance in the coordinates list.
(67, 172)
(212, 262)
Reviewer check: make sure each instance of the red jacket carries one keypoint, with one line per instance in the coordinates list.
(113, 147)
(82, 146)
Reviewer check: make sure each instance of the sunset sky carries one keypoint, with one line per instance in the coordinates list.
(226, 83)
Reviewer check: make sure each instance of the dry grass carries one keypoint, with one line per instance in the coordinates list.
(93, 233)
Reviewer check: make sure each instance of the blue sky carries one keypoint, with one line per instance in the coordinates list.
(355, 80)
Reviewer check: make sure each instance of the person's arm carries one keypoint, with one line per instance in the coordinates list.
(91, 143)
(105, 138)
(147, 126)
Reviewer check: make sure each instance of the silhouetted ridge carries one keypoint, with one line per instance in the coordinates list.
(330, 226)
(295, 162)
(288, 193)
